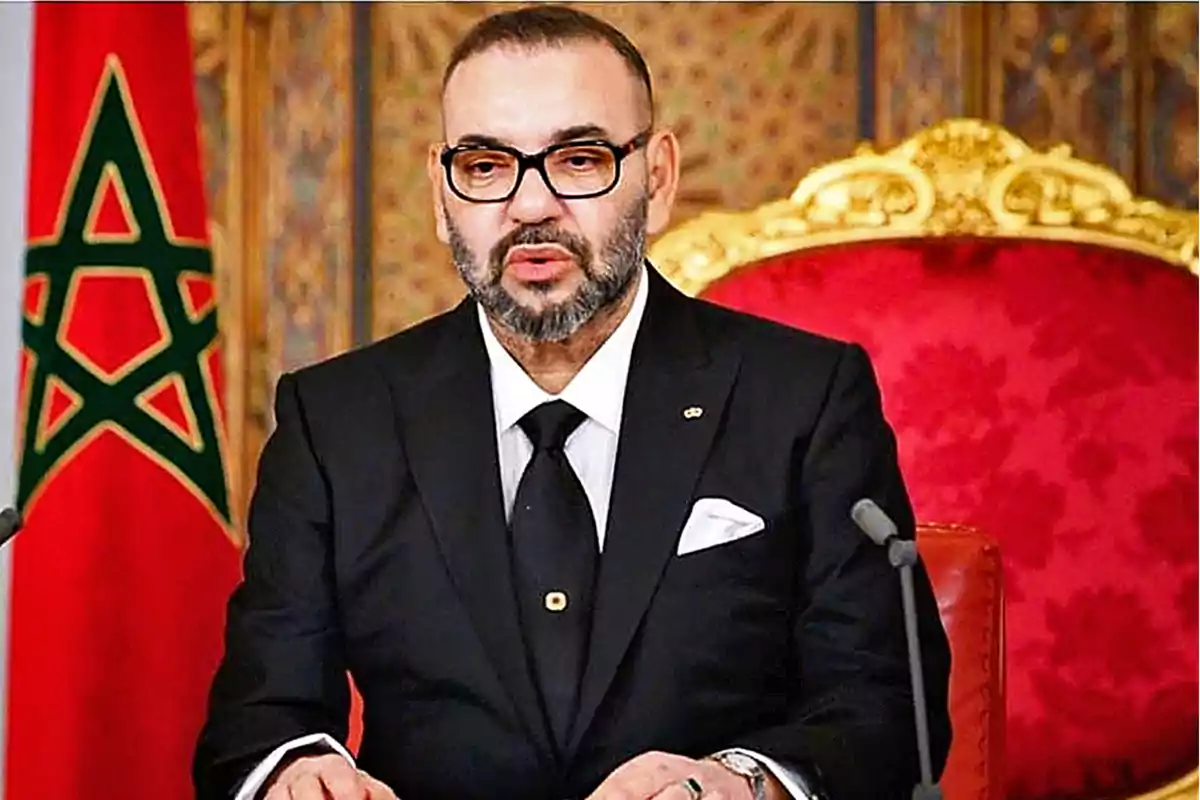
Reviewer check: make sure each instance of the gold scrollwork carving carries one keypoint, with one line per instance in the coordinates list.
(960, 177)
(1185, 788)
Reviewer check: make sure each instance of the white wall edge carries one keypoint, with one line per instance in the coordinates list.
(16, 47)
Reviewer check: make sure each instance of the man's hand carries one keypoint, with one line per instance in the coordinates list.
(325, 777)
(663, 776)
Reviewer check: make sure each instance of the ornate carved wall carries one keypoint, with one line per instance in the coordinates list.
(759, 93)
(1167, 117)
(274, 95)
(1064, 72)
(217, 32)
(927, 66)
(1116, 80)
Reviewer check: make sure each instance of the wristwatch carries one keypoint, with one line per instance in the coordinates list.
(746, 767)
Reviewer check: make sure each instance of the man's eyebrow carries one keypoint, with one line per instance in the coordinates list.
(481, 140)
(574, 132)
(585, 131)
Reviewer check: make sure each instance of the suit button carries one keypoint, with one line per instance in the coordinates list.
(556, 601)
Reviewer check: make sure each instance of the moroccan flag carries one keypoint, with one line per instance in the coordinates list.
(128, 555)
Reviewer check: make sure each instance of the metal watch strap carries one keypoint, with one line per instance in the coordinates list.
(758, 782)
(745, 767)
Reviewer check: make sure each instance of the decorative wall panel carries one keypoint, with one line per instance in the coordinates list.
(308, 190)
(758, 93)
(217, 36)
(928, 66)
(1062, 72)
(1169, 95)
(274, 97)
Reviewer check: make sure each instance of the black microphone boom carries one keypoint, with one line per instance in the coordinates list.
(10, 523)
(902, 554)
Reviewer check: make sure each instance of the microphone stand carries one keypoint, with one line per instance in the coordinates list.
(902, 554)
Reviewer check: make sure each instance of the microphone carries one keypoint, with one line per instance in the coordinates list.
(871, 520)
(10, 523)
(902, 554)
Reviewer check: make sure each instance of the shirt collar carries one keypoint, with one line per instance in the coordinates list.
(598, 389)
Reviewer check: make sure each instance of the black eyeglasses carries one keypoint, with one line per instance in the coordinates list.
(573, 170)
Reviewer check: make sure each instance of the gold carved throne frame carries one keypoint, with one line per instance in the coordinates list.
(961, 177)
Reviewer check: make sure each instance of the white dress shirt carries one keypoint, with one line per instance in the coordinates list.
(598, 390)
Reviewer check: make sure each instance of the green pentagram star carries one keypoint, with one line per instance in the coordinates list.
(111, 400)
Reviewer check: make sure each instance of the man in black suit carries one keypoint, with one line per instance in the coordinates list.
(581, 535)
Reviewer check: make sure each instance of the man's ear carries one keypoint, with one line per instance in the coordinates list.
(433, 168)
(662, 159)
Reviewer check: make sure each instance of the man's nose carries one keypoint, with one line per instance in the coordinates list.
(533, 201)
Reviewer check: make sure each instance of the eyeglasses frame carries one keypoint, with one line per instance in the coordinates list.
(537, 161)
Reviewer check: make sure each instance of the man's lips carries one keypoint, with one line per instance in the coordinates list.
(538, 263)
(538, 252)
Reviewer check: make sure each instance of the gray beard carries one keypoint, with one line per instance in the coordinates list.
(604, 284)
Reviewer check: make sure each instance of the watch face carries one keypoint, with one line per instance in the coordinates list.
(741, 764)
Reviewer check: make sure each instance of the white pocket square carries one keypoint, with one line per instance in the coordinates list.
(714, 521)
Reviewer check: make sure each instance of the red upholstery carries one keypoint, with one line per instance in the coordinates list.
(965, 569)
(1045, 393)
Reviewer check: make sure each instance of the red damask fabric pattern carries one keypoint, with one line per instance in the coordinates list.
(1045, 393)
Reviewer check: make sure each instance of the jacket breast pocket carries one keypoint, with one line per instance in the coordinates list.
(723, 616)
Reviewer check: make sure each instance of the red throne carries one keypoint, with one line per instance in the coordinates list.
(1034, 328)
(964, 567)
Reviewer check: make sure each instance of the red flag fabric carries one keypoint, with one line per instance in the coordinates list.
(128, 555)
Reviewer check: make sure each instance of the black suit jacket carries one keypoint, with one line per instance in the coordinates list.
(377, 545)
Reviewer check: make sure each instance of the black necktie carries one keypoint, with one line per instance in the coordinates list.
(554, 558)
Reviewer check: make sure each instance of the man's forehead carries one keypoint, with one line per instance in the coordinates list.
(526, 96)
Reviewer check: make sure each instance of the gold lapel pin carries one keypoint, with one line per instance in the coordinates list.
(692, 412)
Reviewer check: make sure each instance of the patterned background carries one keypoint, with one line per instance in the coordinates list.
(292, 96)
(275, 100)
(1063, 72)
(783, 99)
(928, 66)
(1167, 120)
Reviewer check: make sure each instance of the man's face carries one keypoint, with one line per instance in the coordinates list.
(540, 265)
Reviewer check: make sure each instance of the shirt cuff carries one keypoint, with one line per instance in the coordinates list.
(791, 780)
(255, 780)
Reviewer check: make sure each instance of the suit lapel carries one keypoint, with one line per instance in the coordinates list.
(660, 453)
(450, 438)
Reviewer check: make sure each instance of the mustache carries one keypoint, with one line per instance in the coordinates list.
(541, 233)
